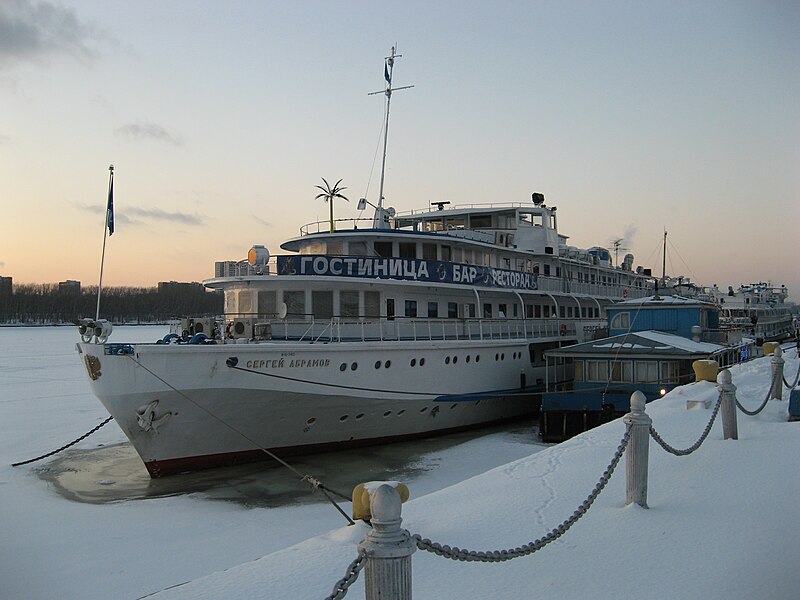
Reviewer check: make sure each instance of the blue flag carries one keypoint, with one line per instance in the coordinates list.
(110, 207)
(386, 73)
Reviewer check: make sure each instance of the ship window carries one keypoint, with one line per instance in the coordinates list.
(563, 312)
(429, 251)
(546, 311)
(537, 311)
(578, 370)
(358, 248)
(372, 305)
(621, 320)
(646, 371)
(529, 311)
(335, 248)
(407, 250)
(452, 310)
(390, 308)
(487, 311)
(411, 308)
(313, 248)
(669, 371)
(622, 371)
(295, 304)
(447, 254)
(246, 302)
(433, 310)
(502, 311)
(348, 303)
(468, 257)
(231, 305)
(383, 249)
(266, 303)
(477, 221)
(458, 255)
(597, 370)
(546, 270)
(322, 304)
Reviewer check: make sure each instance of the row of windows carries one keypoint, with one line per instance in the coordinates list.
(499, 356)
(641, 371)
(264, 303)
(389, 413)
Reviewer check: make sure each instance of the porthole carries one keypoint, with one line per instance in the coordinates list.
(359, 416)
(421, 362)
(388, 364)
(400, 412)
(467, 357)
(497, 357)
(423, 409)
(377, 364)
(413, 362)
(344, 418)
(452, 406)
(477, 358)
(354, 366)
(311, 421)
(447, 360)
(455, 359)
(387, 413)
(503, 356)
(343, 367)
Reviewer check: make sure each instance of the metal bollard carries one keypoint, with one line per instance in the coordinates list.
(387, 572)
(776, 391)
(636, 454)
(727, 390)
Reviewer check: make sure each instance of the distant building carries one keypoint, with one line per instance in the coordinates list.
(69, 287)
(233, 268)
(6, 286)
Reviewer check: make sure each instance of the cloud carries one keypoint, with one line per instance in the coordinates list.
(145, 130)
(628, 235)
(157, 214)
(133, 215)
(36, 31)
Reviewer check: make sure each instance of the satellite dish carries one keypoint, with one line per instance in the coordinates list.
(283, 311)
(391, 211)
(362, 203)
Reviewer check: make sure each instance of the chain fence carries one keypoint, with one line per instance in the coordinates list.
(350, 576)
(463, 554)
(494, 556)
(654, 434)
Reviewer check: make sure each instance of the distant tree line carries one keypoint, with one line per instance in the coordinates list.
(45, 303)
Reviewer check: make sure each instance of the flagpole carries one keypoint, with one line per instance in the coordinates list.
(108, 225)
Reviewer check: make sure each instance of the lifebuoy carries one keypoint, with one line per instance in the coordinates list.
(625, 293)
(229, 330)
(563, 329)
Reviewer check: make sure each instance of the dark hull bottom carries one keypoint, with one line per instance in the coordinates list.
(162, 468)
(560, 425)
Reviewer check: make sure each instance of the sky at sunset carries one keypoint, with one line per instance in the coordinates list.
(220, 118)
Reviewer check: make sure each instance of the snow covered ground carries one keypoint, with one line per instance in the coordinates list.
(51, 547)
(722, 523)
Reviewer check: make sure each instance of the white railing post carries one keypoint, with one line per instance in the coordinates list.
(388, 548)
(636, 454)
(776, 391)
(727, 390)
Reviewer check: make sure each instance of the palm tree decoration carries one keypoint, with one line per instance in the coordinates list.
(329, 193)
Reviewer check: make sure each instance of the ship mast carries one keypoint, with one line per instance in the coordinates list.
(379, 221)
(664, 262)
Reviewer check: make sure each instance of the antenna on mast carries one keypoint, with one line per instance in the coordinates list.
(380, 219)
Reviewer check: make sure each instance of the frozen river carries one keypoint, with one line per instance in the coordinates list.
(90, 523)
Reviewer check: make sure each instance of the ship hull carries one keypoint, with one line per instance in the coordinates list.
(189, 407)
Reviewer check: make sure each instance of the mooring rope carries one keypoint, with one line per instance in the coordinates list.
(315, 483)
(64, 447)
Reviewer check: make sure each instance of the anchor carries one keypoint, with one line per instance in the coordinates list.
(147, 417)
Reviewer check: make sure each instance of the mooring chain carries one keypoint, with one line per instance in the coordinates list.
(350, 576)
(463, 554)
(64, 447)
(697, 444)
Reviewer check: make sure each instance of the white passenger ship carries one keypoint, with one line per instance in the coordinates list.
(405, 325)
